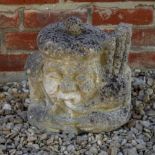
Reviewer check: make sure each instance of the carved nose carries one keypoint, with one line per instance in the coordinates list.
(68, 85)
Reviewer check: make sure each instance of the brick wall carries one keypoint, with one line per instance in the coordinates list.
(20, 21)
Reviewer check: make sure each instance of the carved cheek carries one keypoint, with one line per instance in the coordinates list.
(87, 86)
(50, 85)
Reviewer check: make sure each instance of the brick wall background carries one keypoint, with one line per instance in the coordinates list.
(20, 21)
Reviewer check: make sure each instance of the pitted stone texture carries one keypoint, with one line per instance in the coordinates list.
(73, 26)
(34, 63)
(80, 80)
(72, 37)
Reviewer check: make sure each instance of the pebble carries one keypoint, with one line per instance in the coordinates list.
(103, 153)
(145, 123)
(151, 113)
(150, 81)
(2, 147)
(2, 140)
(132, 151)
(12, 151)
(70, 148)
(36, 146)
(7, 106)
(139, 126)
(138, 82)
(99, 142)
(43, 136)
(5, 88)
(153, 105)
(114, 148)
(124, 141)
(133, 142)
(23, 115)
(63, 148)
(31, 139)
(50, 141)
(150, 91)
(93, 150)
(141, 95)
(14, 90)
(140, 146)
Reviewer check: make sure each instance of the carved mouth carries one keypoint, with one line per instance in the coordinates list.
(74, 96)
(70, 104)
(71, 100)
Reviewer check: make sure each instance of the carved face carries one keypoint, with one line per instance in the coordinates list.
(79, 79)
(71, 81)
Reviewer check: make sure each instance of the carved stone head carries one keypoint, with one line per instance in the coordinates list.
(80, 80)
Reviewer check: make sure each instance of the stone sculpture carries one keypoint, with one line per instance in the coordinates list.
(80, 80)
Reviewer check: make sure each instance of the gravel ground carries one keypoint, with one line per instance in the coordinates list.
(137, 137)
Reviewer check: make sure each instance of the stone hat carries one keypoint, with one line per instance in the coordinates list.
(71, 37)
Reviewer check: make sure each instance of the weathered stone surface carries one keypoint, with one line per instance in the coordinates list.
(80, 79)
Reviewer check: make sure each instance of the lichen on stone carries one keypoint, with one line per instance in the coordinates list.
(71, 37)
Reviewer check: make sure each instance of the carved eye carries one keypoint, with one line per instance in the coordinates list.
(81, 78)
(55, 75)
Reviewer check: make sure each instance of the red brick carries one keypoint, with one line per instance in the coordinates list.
(143, 37)
(137, 16)
(143, 59)
(9, 19)
(27, 1)
(94, 0)
(12, 62)
(105, 0)
(35, 19)
(21, 40)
